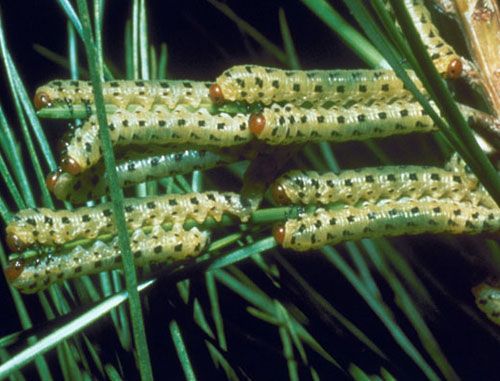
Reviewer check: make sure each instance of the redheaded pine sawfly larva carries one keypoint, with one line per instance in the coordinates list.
(124, 93)
(374, 184)
(135, 168)
(444, 57)
(487, 296)
(293, 124)
(267, 85)
(44, 226)
(159, 126)
(157, 246)
(330, 227)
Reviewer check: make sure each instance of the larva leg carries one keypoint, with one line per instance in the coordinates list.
(124, 93)
(157, 246)
(159, 127)
(487, 296)
(374, 184)
(55, 227)
(325, 227)
(268, 85)
(133, 169)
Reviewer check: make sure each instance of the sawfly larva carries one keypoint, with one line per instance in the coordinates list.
(268, 85)
(48, 227)
(487, 296)
(293, 124)
(374, 184)
(159, 126)
(157, 246)
(135, 168)
(447, 62)
(124, 93)
(330, 227)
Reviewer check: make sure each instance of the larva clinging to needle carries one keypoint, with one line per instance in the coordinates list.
(123, 93)
(159, 126)
(134, 168)
(290, 124)
(374, 184)
(44, 226)
(156, 246)
(448, 63)
(268, 85)
(392, 218)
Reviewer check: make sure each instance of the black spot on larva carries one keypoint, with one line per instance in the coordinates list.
(221, 126)
(187, 85)
(348, 182)
(86, 218)
(318, 89)
(403, 113)
(162, 123)
(321, 119)
(275, 84)
(415, 210)
(340, 119)
(413, 176)
(296, 87)
(78, 269)
(129, 209)
(362, 89)
(382, 115)
(178, 247)
(369, 179)
(340, 89)
(435, 177)
(172, 202)
(65, 220)
(107, 212)
(361, 118)
(151, 205)
(88, 147)
(351, 218)
(181, 122)
(385, 87)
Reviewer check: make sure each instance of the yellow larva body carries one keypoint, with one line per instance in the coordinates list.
(374, 184)
(156, 246)
(268, 85)
(124, 93)
(293, 124)
(133, 169)
(55, 227)
(330, 227)
(488, 300)
(159, 126)
(446, 60)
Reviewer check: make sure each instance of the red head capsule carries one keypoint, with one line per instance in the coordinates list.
(14, 243)
(215, 93)
(13, 270)
(257, 123)
(279, 233)
(454, 69)
(70, 165)
(51, 179)
(279, 195)
(42, 100)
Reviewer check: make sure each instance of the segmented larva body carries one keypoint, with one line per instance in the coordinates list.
(330, 227)
(159, 126)
(124, 93)
(91, 184)
(488, 300)
(55, 227)
(446, 60)
(293, 124)
(157, 246)
(268, 85)
(374, 184)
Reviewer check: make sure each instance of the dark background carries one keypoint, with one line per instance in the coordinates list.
(202, 42)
